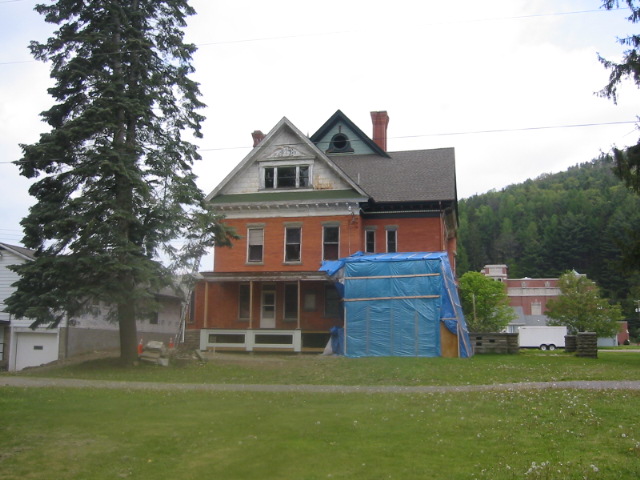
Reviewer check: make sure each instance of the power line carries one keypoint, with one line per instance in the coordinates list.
(473, 132)
(283, 37)
(446, 134)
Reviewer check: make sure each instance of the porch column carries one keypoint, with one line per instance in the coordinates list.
(250, 304)
(299, 300)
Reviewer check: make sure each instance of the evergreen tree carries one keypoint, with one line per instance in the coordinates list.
(627, 161)
(115, 184)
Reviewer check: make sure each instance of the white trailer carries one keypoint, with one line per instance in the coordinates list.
(544, 338)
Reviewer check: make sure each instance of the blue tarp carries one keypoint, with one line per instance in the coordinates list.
(394, 304)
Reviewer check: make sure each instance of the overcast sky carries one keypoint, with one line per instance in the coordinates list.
(510, 84)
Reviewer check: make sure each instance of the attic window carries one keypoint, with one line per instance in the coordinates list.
(340, 144)
(294, 176)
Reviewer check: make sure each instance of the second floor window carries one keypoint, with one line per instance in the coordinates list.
(331, 243)
(293, 237)
(392, 241)
(294, 176)
(255, 244)
(370, 241)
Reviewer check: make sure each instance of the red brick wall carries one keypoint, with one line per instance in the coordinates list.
(414, 234)
(234, 259)
(221, 307)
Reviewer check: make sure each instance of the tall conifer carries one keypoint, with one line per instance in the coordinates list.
(114, 182)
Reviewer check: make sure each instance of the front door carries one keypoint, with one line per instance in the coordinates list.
(268, 309)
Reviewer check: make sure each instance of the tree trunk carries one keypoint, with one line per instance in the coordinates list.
(128, 334)
(123, 144)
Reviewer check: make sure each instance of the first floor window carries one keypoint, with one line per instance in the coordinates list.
(244, 301)
(331, 243)
(331, 302)
(291, 301)
(256, 243)
(293, 237)
(392, 241)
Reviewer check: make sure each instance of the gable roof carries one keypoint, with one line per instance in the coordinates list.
(416, 175)
(21, 252)
(340, 117)
(301, 140)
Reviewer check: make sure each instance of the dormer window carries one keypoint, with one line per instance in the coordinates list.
(340, 144)
(288, 176)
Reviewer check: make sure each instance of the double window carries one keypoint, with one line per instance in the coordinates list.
(291, 176)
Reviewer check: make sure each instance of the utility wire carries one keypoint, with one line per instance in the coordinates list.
(444, 134)
(261, 39)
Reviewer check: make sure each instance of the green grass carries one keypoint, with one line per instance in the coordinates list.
(57, 433)
(529, 366)
(110, 434)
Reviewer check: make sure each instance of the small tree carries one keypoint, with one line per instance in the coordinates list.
(581, 309)
(485, 303)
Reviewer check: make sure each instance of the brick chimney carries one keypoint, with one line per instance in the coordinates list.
(258, 136)
(380, 122)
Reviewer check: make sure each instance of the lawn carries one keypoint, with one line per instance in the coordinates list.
(56, 433)
(111, 434)
(529, 366)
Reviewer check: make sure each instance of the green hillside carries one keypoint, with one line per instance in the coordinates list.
(579, 219)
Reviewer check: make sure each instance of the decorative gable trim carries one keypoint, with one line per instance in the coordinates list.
(286, 151)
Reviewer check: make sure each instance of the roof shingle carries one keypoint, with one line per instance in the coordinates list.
(410, 176)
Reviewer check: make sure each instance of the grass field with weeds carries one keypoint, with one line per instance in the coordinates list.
(528, 366)
(58, 433)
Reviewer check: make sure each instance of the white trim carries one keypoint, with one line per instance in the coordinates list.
(265, 210)
(249, 343)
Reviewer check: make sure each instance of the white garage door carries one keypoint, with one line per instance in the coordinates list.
(33, 349)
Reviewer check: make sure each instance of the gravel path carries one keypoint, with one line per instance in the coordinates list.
(28, 382)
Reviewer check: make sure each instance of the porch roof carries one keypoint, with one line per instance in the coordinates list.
(264, 276)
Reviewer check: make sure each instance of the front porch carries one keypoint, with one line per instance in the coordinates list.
(265, 311)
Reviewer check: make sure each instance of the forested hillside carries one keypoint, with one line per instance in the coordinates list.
(578, 219)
